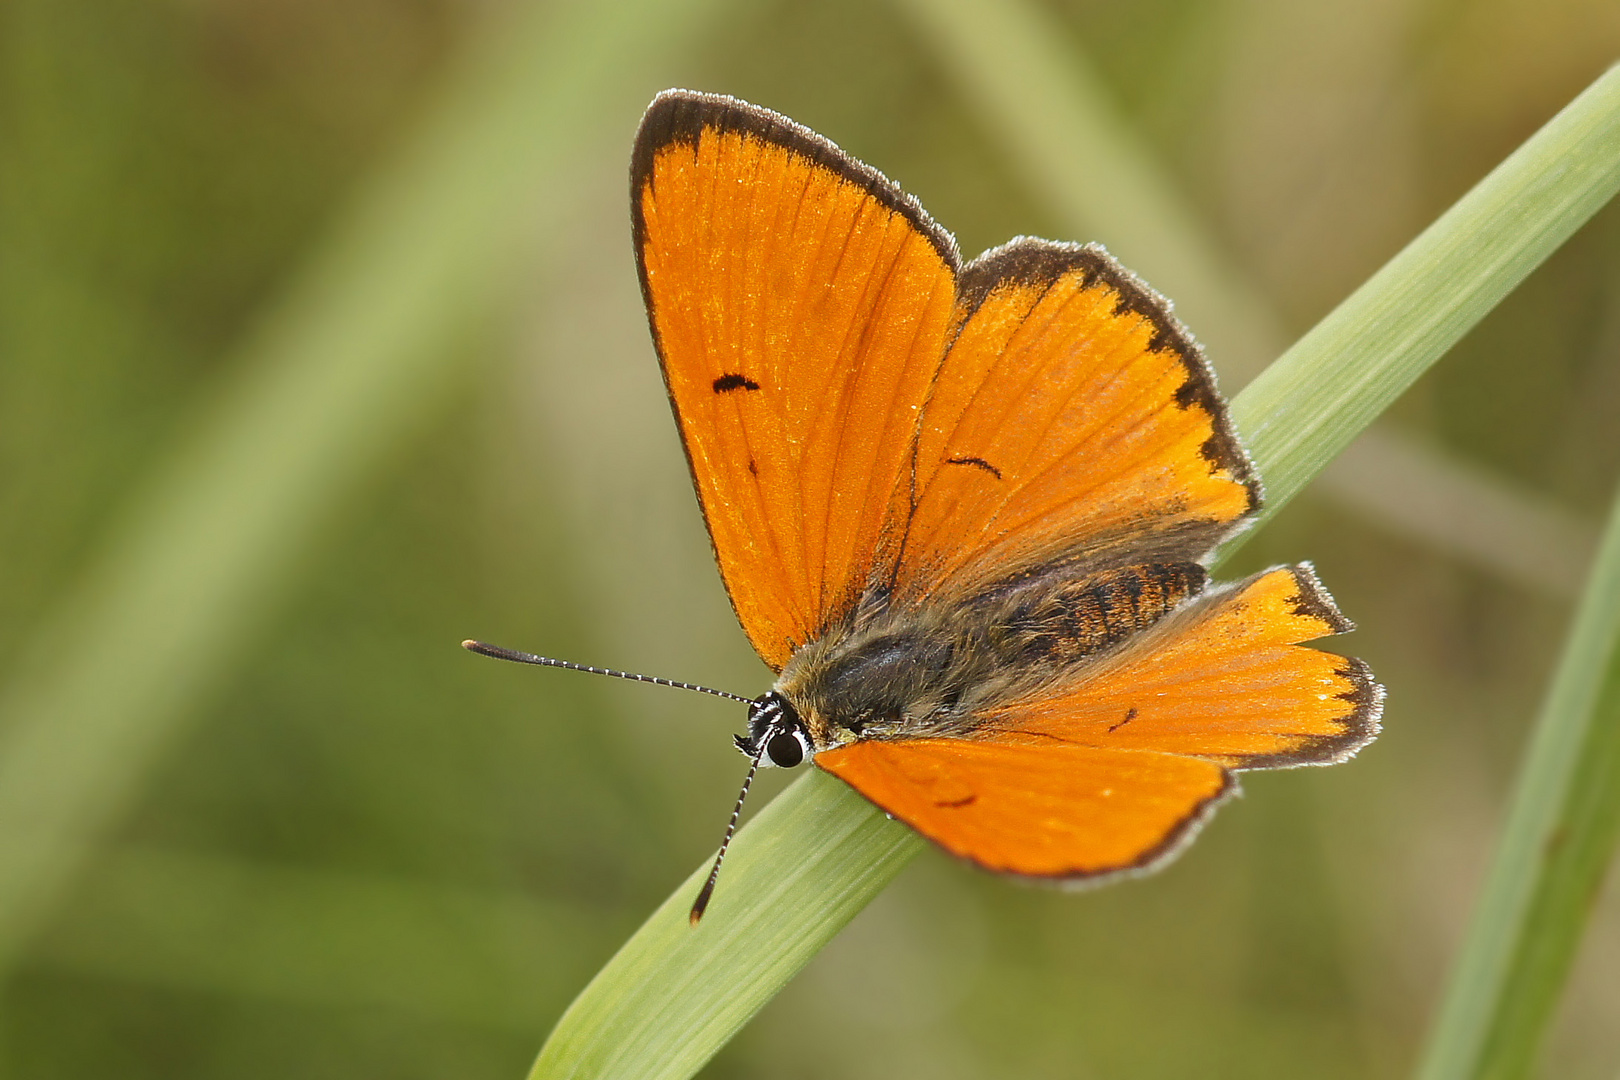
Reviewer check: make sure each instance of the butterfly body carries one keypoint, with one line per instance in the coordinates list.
(942, 669)
(964, 510)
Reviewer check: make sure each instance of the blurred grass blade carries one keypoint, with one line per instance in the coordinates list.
(1057, 123)
(1549, 549)
(1302, 410)
(672, 997)
(333, 382)
(1556, 845)
(323, 938)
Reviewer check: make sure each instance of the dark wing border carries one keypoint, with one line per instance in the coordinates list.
(1366, 696)
(1179, 837)
(681, 116)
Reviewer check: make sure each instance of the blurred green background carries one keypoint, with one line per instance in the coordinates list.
(333, 844)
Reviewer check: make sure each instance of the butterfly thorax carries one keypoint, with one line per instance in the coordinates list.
(939, 669)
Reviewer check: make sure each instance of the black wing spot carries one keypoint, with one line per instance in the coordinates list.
(726, 383)
(1129, 716)
(753, 466)
(980, 462)
(954, 804)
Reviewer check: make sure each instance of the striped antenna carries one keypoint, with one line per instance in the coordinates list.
(484, 649)
(701, 904)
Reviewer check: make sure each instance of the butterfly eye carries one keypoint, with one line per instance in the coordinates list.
(786, 750)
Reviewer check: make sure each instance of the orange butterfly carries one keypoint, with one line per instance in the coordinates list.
(963, 510)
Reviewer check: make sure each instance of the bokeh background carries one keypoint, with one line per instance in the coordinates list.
(339, 846)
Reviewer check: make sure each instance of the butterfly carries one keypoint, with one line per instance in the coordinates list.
(964, 511)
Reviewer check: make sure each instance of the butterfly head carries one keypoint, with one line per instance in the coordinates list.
(776, 735)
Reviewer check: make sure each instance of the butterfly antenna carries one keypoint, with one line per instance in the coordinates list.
(701, 904)
(484, 649)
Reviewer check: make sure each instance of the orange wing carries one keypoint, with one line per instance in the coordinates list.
(1073, 420)
(1113, 770)
(1224, 679)
(800, 303)
(1040, 811)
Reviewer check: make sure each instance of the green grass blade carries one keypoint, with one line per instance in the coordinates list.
(675, 994)
(344, 939)
(334, 380)
(1373, 345)
(1557, 842)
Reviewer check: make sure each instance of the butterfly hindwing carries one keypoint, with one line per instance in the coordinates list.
(1113, 772)
(1225, 679)
(800, 303)
(1061, 812)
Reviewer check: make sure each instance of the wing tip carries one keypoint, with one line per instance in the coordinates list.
(1356, 728)
(678, 115)
(1359, 727)
(1315, 602)
(1032, 260)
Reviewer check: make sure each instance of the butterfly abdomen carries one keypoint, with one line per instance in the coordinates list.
(1078, 619)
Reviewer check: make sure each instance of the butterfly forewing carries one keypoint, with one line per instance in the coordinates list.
(1072, 420)
(800, 304)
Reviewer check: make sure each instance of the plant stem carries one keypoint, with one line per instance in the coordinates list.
(1556, 844)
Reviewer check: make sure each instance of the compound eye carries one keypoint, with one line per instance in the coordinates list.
(785, 751)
